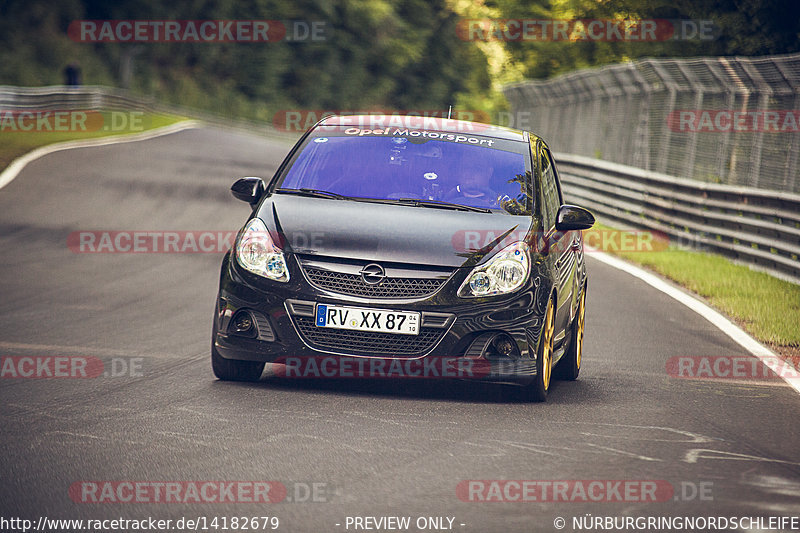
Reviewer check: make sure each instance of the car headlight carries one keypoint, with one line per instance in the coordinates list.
(504, 273)
(256, 252)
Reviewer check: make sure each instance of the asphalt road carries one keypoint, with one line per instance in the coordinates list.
(727, 447)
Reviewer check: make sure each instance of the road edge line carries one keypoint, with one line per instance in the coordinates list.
(17, 165)
(737, 334)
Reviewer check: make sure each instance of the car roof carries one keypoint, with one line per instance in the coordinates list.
(438, 124)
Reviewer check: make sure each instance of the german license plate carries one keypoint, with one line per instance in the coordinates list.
(360, 319)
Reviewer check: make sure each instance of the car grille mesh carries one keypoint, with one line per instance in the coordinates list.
(367, 342)
(353, 285)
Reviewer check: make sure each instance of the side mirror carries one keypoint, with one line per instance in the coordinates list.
(572, 217)
(249, 190)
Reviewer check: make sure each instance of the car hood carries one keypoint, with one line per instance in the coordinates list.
(388, 233)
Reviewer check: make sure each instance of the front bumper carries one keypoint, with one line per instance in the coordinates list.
(452, 328)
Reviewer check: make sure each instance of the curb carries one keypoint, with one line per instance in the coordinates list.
(737, 334)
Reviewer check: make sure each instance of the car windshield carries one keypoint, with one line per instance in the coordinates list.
(491, 174)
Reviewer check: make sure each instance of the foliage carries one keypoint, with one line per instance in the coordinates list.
(377, 54)
(740, 27)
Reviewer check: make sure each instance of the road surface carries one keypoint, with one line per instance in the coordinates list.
(725, 448)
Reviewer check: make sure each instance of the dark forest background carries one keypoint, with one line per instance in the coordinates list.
(377, 54)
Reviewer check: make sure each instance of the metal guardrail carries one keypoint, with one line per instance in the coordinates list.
(58, 97)
(101, 98)
(754, 226)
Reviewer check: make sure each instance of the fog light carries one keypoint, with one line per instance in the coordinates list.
(492, 346)
(243, 324)
(504, 346)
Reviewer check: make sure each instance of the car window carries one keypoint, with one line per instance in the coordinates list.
(554, 170)
(550, 194)
(490, 173)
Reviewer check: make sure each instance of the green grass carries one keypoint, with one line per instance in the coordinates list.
(767, 307)
(16, 143)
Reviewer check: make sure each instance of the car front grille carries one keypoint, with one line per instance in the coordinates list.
(353, 285)
(367, 342)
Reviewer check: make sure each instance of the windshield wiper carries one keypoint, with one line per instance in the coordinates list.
(442, 205)
(315, 193)
(414, 202)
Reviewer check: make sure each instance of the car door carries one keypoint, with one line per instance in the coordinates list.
(574, 241)
(561, 244)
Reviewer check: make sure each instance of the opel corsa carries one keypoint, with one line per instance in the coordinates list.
(408, 241)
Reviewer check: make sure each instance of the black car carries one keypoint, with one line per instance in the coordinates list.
(414, 246)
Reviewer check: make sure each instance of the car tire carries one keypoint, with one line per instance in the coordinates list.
(234, 370)
(537, 390)
(570, 365)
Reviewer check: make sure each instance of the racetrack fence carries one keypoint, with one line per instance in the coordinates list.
(706, 150)
(725, 120)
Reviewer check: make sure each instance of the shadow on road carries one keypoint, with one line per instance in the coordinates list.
(425, 389)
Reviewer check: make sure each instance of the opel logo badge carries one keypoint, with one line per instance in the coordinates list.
(372, 274)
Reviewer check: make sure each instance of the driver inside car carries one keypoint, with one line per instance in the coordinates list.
(473, 186)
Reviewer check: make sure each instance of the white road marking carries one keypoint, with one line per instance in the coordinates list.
(723, 324)
(694, 455)
(16, 166)
(623, 452)
(693, 437)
